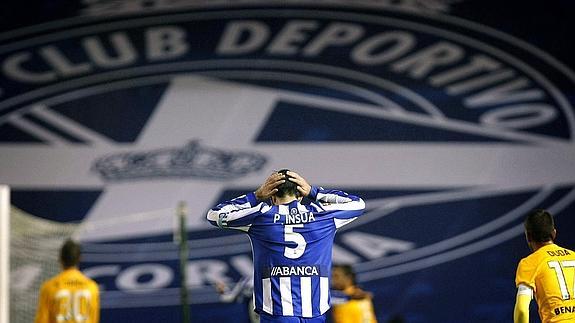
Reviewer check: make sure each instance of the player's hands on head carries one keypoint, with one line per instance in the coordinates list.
(302, 185)
(269, 187)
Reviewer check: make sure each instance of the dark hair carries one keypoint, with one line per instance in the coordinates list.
(70, 254)
(288, 187)
(539, 226)
(347, 271)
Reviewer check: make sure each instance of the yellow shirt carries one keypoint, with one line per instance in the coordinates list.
(354, 311)
(69, 297)
(550, 272)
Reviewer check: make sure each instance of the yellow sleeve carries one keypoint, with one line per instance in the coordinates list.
(43, 310)
(522, 301)
(95, 304)
(526, 273)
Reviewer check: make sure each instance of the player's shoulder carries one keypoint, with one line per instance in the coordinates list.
(561, 252)
(92, 284)
(567, 251)
(315, 207)
(51, 283)
(531, 261)
(552, 250)
(544, 253)
(78, 275)
(90, 280)
(86, 279)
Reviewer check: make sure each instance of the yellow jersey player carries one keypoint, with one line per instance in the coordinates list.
(548, 274)
(69, 297)
(350, 303)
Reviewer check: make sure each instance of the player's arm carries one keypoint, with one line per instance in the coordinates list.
(522, 301)
(241, 211)
(330, 199)
(338, 297)
(95, 305)
(345, 207)
(227, 295)
(339, 200)
(358, 293)
(235, 213)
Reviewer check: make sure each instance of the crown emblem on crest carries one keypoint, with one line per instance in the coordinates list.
(192, 160)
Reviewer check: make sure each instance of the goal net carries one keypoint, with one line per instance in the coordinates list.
(34, 247)
(30, 251)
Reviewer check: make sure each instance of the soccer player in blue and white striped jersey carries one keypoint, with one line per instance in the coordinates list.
(291, 243)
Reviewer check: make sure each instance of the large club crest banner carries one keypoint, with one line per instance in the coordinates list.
(452, 119)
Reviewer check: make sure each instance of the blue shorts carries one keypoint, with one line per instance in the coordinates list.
(266, 318)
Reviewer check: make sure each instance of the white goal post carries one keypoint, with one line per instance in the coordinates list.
(4, 253)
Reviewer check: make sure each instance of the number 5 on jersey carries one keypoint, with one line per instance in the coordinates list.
(291, 236)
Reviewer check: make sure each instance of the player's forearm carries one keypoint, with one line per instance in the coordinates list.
(521, 310)
(520, 316)
(242, 203)
(339, 199)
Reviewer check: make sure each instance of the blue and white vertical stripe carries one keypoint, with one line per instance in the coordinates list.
(293, 296)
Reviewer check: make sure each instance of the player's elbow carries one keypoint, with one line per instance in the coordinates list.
(357, 205)
(361, 204)
(213, 217)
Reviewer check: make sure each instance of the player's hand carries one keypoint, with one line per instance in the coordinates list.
(269, 187)
(220, 287)
(302, 185)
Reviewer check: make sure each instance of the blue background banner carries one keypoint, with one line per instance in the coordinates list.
(451, 119)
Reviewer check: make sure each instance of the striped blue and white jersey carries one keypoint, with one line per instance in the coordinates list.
(292, 247)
